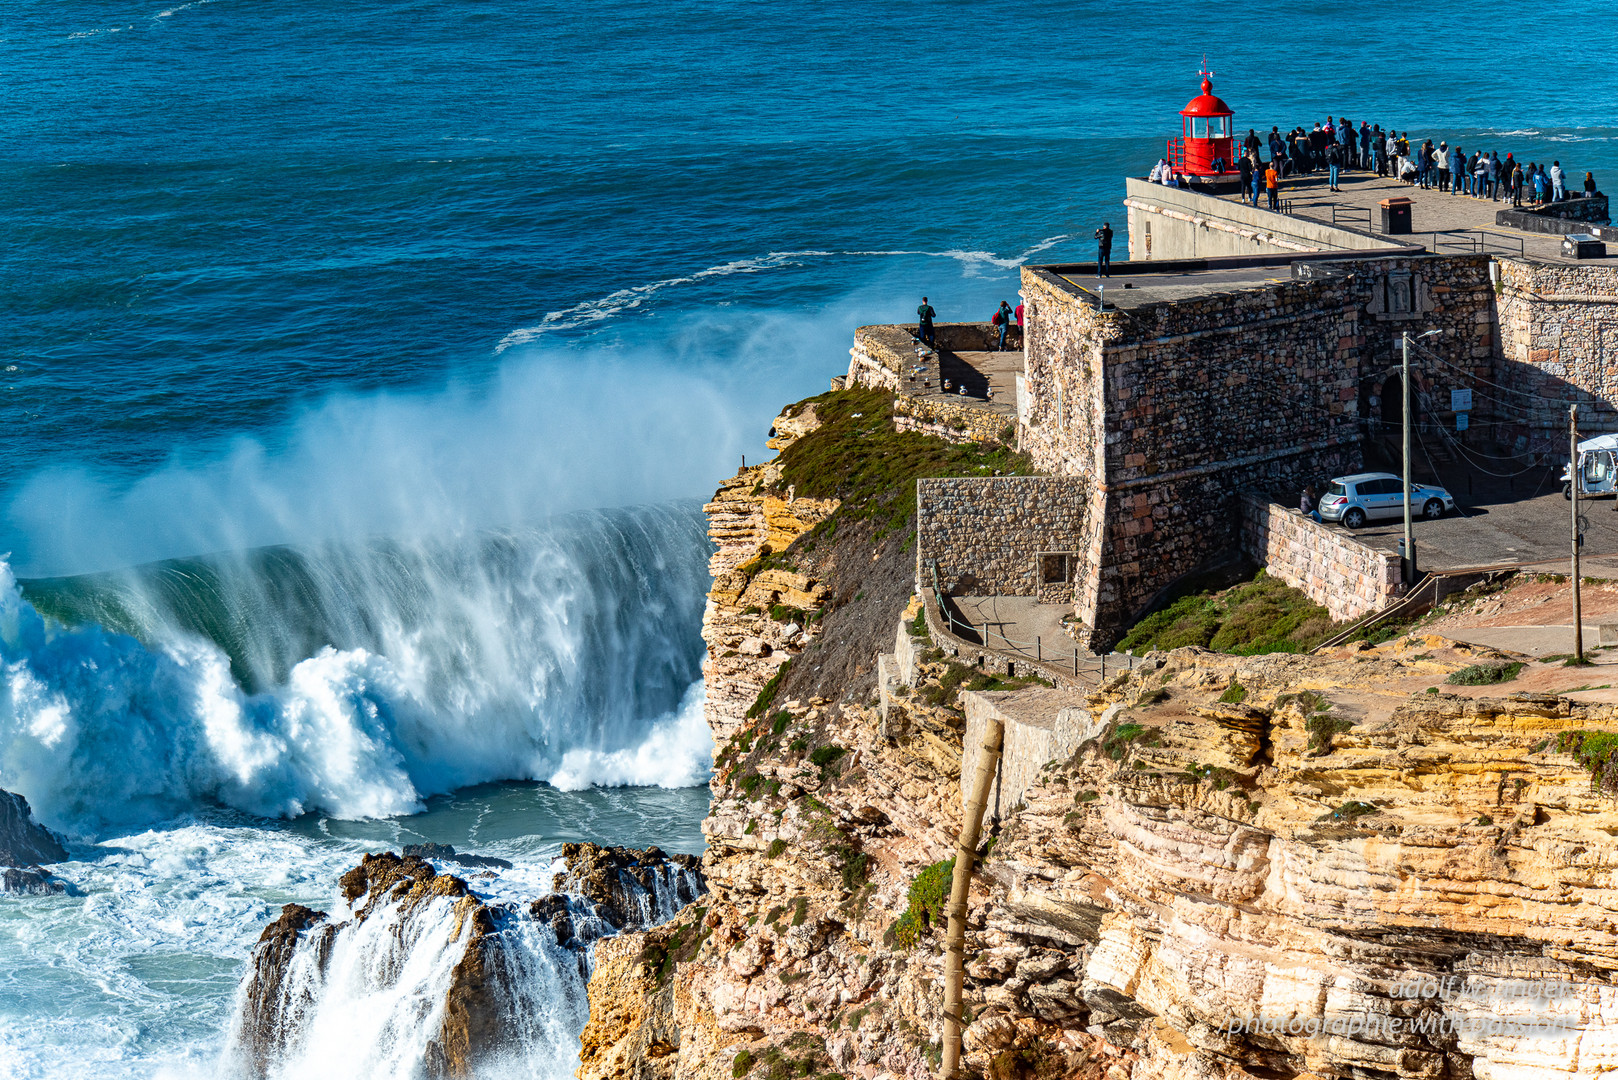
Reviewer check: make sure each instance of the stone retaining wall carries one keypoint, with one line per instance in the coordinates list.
(1346, 577)
(1562, 217)
(1040, 726)
(986, 533)
(965, 423)
(1559, 336)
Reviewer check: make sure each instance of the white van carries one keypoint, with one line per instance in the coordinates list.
(1598, 468)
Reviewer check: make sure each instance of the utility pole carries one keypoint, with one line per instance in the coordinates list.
(1410, 535)
(1573, 475)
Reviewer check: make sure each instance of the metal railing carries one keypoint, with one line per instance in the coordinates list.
(1475, 242)
(1023, 650)
(1351, 215)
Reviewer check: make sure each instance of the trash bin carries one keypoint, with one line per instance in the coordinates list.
(1396, 216)
(1583, 246)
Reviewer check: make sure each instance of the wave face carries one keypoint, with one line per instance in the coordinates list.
(354, 679)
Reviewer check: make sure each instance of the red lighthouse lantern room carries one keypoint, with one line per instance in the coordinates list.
(1207, 146)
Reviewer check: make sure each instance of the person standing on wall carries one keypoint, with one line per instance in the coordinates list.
(1272, 181)
(1244, 165)
(924, 317)
(1258, 180)
(1441, 163)
(1334, 163)
(1558, 182)
(1104, 250)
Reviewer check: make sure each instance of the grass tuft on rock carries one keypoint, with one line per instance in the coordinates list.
(928, 896)
(1263, 615)
(1485, 674)
(855, 455)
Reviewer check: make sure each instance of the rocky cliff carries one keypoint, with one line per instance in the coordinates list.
(1349, 866)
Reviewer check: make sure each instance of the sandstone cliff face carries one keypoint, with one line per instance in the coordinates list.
(1312, 854)
(746, 644)
(1258, 867)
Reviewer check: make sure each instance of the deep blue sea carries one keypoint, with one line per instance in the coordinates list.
(362, 366)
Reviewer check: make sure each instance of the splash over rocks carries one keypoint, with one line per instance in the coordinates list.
(423, 976)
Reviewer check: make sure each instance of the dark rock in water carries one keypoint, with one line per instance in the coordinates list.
(23, 841)
(622, 887)
(446, 853)
(619, 888)
(264, 1030)
(29, 883)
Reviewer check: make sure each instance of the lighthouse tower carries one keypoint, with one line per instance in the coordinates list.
(1206, 147)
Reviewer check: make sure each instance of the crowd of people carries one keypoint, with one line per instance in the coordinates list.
(1338, 145)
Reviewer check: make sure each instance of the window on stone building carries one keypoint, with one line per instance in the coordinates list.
(1055, 569)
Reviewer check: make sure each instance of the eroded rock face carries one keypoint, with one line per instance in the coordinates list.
(1306, 839)
(626, 885)
(23, 841)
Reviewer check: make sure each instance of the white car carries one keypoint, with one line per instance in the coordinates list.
(1354, 500)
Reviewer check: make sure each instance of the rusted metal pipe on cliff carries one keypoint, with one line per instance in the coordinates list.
(965, 852)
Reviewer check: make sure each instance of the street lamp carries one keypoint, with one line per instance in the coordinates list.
(1404, 388)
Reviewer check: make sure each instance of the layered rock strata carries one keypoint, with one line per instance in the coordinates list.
(757, 616)
(1334, 867)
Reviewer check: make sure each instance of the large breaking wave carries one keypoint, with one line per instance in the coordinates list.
(354, 679)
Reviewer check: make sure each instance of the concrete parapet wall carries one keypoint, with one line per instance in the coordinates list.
(988, 534)
(1040, 726)
(1346, 577)
(1173, 223)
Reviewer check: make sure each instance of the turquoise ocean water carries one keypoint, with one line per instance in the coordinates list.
(362, 365)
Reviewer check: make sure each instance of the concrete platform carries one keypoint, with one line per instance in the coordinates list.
(1444, 223)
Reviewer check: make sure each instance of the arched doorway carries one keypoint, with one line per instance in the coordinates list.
(1392, 401)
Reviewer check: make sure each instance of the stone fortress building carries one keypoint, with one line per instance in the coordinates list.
(1249, 351)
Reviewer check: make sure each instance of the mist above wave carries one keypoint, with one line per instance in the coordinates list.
(567, 652)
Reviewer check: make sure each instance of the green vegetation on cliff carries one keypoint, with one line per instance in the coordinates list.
(1262, 615)
(855, 455)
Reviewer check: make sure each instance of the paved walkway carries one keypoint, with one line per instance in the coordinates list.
(1021, 626)
(1459, 221)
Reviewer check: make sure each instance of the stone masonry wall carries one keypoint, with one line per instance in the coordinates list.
(1339, 573)
(1175, 408)
(984, 533)
(1559, 339)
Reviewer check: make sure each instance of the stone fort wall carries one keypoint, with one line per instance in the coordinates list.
(1003, 535)
(1176, 408)
(1559, 343)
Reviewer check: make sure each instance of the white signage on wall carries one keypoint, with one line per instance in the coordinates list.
(1460, 401)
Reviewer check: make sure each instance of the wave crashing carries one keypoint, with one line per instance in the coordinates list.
(354, 680)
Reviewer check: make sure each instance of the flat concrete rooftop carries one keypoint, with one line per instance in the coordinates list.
(1443, 223)
(1136, 284)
